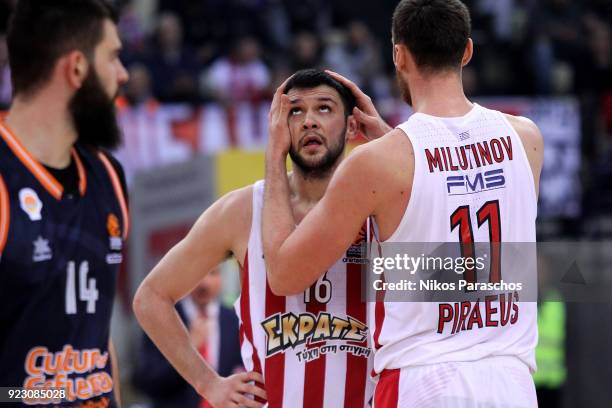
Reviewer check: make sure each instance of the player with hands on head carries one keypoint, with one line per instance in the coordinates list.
(311, 119)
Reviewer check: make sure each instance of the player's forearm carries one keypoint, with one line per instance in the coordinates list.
(277, 224)
(159, 319)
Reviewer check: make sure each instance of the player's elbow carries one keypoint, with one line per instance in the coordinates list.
(138, 303)
(280, 289)
(143, 303)
(281, 286)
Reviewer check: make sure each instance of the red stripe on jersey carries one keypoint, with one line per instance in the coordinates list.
(314, 372)
(356, 367)
(241, 334)
(379, 313)
(387, 389)
(245, 316)
(275, 365)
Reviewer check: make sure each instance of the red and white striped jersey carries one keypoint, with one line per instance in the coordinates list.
(472, 183)
(313, 348)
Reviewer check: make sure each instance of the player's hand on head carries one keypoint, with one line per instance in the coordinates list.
(371, 124)
(278, 127)
(237, 391)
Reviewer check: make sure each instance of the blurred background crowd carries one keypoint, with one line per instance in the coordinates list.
(230, 52)
(194, 112)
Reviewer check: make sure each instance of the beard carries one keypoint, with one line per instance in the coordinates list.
(321, 167)
(404, 89)
(93, 114)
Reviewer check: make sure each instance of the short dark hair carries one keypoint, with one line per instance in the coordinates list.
(311, 78)
(41, 31)
(434, 31)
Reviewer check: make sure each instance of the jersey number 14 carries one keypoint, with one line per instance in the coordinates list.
(87, 288)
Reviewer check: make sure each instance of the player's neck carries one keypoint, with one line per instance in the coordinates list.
(43, 125)
(439, 95)
(307, 190)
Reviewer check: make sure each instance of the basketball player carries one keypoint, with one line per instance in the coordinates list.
(401, 179)
(309, 349)
(63, 213)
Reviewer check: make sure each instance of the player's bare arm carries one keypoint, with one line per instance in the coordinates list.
(221, 230)
(369, 177)
(533, 142)
(115, 371)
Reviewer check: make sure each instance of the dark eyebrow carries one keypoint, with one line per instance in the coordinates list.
(327, 99)
(320, 99)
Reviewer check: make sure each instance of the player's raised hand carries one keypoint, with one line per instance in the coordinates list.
(371, 124)
(279, 140)
(235, 391)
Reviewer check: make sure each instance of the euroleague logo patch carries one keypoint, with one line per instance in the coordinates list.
(114, 233)
(112, 225)
(30, 203)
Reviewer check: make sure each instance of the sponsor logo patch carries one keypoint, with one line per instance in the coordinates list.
(30, 203)
(42, 251)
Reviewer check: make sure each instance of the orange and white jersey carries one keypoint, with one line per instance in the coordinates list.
(472, 183)
(312, 348)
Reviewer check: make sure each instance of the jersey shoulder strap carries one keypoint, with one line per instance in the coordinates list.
(5, 214)
(117, 187)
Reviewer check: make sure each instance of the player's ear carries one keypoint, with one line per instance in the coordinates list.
(76, 68)
(352, 128)
(467, 53)
(400, 57)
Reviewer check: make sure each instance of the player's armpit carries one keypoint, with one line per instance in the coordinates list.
(328, 229)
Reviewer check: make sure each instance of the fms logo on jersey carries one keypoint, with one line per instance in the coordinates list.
(481, 181)
(287, 330)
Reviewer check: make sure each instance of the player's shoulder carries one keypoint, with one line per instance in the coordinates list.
(526, 128)
(530, 136)
(228, 219)
(383, 166)
(111, 158)
(238, 200)
(116, 164)
(383, 155)
(234, 209)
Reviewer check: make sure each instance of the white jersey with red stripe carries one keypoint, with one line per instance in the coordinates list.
(472, 182)
(312, 348)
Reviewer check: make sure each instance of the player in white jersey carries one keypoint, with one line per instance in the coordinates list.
(418, 181)
(311, 349)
